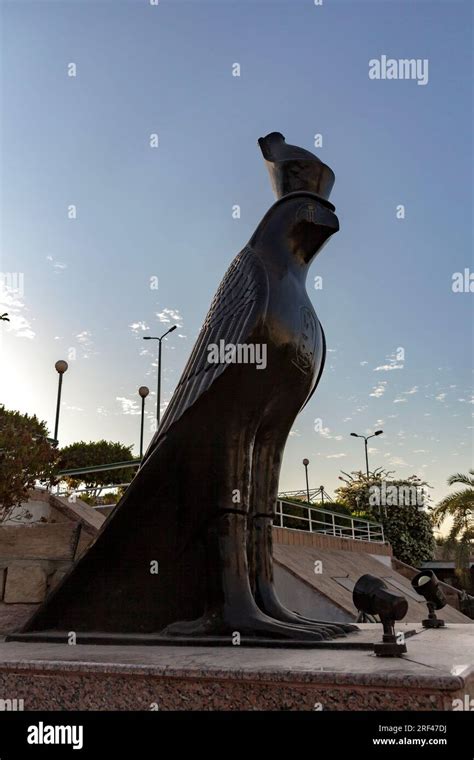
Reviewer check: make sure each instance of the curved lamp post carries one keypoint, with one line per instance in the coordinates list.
(61, 367)
(158, 394)
(143, 392)
(366, 438)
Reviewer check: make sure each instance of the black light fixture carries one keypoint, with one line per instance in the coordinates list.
(426, 585)
(371, 596)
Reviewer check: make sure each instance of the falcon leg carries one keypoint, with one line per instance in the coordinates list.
(230, 606)
(269, 449)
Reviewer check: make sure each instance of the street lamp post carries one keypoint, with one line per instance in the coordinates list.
(143, 392)
(306, 463)
(158, 393)
(60, 367)
(366, 438)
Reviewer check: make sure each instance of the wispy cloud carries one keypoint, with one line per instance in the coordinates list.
(466, 400)
(85, 341)
(379, 389)
(84, 337)
(398, 462)
(12, 302)
(139, 326)
(170, 315)
(129, 405)
(58, 266)
(326, 433)
(387, 367)
(393, 363)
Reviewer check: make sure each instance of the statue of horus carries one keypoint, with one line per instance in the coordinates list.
(202, 504)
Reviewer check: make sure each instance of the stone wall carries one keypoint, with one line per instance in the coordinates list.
(35, 557)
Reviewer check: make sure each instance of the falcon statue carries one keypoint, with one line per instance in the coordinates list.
(188, 550)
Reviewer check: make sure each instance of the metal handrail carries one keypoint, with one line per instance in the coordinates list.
(357, 528)
(340, 525)
(101, 468)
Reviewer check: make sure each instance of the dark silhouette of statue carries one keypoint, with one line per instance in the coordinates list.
(201, 505)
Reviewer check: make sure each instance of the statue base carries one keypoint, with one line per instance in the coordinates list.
(223, 678)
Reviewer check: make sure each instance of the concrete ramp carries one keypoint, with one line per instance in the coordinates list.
(318, 583)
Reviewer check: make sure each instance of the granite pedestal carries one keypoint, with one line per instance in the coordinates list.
(436, 671)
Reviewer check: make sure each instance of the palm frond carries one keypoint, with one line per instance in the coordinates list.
(464, 480)
(460, 502)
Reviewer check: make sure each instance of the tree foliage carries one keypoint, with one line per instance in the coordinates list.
(26, 456)
(407, 525)
(460, 507)
(94, 453)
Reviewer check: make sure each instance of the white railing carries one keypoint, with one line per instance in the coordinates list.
(319, 520)
(70, 492)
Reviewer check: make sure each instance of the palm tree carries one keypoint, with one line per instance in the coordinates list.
(4, 317)
(460, 506)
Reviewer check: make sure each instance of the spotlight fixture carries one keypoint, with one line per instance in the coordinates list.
(426, 584)
(372, 597)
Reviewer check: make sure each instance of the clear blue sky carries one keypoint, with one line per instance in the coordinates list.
(167, 212)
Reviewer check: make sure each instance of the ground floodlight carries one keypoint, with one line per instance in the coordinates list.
(426, 585)
(372, 596)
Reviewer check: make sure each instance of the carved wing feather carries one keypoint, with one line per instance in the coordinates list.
(321, 368)
(239, 300)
